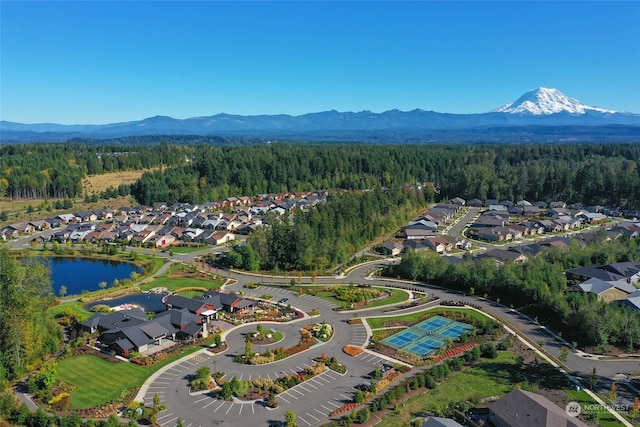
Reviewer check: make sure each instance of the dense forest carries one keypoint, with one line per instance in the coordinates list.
(593, 174)
(319, 238)
(538, 287)
(27, 334)
(56, 170)
(589, 173)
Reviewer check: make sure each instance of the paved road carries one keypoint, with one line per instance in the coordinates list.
(314, 400)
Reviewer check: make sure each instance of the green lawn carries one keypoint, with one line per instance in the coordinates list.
(491, 377)
(602, 417)
(97, 380)
(186, 249)
(74, 307)
(175, 283)
(397, 295)
(378, 322)
(191, 294)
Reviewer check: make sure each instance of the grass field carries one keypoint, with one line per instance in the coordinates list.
(186, 249)
(601, 416)
(378, 322)
(72, 307)
(97, 380)
(491, 377)
(175, 283)
(191, 294)
(99, 183)
(397, 295)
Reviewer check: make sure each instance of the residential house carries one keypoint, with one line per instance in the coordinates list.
(493, 234)
(416, 245)
(475, 203)
(54, 222)
(391, 247)
(491, 219)
(86, 216)
(438, 244)
(629, 271)
(585, 273)
(503, 256)
(144, 236)
(540, 204)
(161, 241)
(520, 408)
(40, 225)
(605, 291)
(423, 224)
(219, 238)
(441, 422)
(457, 201)
(549, 226)
(104, 213)
(531, 211)
(417, 233)
(592, 217)
(557, 204)
(632, 300)
(68, 218)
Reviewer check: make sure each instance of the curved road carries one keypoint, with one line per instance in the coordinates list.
(313, 400)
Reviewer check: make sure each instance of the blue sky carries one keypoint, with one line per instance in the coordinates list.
(102, 62)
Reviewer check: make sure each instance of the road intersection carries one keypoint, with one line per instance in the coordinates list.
(315, 399)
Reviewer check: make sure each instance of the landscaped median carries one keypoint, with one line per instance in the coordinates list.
(309, 336)
(352, 296)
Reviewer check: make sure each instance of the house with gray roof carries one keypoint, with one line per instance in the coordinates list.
(631, 301)
(605, 291)
(441, 422)
(521, 408)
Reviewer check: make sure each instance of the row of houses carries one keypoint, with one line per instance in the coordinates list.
(433, 220)
(129, 331)
(524, 207)
(495, 226)
(161, 225)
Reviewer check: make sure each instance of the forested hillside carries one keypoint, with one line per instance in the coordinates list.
(27, 334)
(56, 170)
(603, 174)
(320, 238)
(589, 173)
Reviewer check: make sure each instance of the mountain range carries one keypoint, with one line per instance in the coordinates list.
(541, 114)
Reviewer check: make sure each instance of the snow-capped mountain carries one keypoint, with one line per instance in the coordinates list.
(542, 101)
(541, 114)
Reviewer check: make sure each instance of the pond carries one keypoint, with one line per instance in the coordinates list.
(84, 274)
(147, 302)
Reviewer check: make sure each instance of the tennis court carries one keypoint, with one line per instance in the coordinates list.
(427, 337)
(401, 339)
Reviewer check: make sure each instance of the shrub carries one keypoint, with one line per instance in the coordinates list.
(352, 350)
